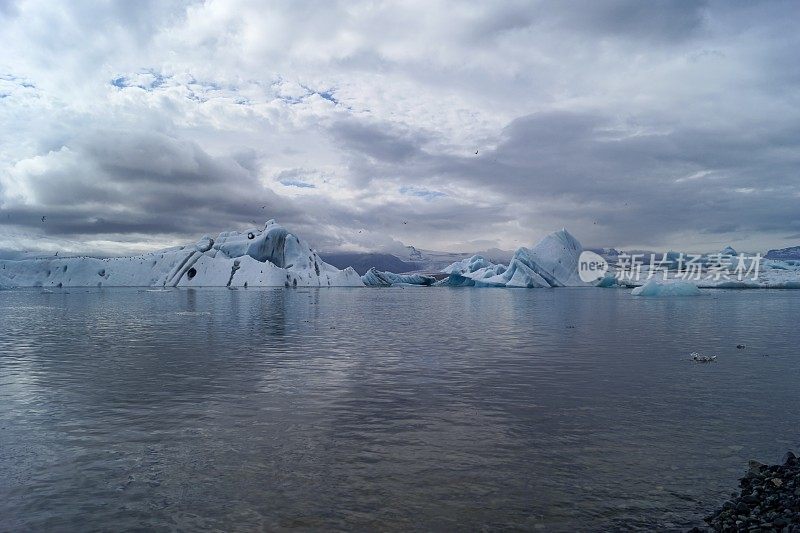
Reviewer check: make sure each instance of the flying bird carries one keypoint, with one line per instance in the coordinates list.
(44, 218)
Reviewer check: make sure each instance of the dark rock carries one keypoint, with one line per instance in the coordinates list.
(769, 500)
(742, 509)
(755, 467)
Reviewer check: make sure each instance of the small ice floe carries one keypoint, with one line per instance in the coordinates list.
(699, 358)
(664, 288)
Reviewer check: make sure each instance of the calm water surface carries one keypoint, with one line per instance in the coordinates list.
(391, 409)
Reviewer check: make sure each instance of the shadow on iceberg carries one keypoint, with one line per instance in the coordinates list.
(655, 288)
(376, 278)
(553, 262)
(259, 257)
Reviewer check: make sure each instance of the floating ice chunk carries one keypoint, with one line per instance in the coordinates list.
(376, 278)
(456, 280)
(555, 258)
(699, 358)
(658, 288)
(730, 284)
(608, 280)
(520, 274)
(474, 271)
(468, 266)
(553, 262)
(267, 257)
(785, 285)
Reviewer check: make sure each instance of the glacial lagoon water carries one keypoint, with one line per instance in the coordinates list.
(391, 409)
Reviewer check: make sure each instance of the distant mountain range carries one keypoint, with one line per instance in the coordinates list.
(410, 259)
(362, 262)
(793, 252)
(413, 259)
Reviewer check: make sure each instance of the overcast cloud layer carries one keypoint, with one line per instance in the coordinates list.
(134, 125)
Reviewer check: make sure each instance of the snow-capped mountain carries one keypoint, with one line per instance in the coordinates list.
(784, 254)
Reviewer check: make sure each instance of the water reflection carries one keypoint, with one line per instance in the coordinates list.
(396, 408)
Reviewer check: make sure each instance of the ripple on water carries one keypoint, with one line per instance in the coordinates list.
(387, 409)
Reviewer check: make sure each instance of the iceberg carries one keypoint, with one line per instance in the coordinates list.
(469, 265)
(271, 256)
(553, 262)
(376, 278)
(258, 257)
(609, 280)
(470, 272)
(659, 288)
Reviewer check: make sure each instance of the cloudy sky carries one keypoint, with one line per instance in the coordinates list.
(362, 125)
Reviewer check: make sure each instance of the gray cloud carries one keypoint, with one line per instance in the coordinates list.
(587, 169)
(378, 141)
(112, 182)
(8, 8)
(657, 21)
(631, 123)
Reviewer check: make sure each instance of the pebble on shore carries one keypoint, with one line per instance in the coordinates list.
(769, 500)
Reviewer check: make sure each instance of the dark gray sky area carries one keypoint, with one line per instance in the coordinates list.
(131, 126)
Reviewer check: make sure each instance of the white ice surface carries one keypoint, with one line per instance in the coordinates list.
(553, 262)
(661, 288)
(266, 257)
(377, 278)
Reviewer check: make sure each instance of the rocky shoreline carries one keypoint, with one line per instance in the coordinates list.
(769, 500)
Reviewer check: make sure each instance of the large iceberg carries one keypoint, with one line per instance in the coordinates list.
(258, 257)
(660, 288)
(553, 262)
(377, 278)
(273, 257)
(471, 272)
